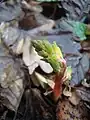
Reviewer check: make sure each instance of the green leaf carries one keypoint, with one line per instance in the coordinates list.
(56, 50)
(69, 72)
(54, 63)
(51, 53)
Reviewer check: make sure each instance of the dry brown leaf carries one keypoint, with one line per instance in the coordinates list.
(74, 99)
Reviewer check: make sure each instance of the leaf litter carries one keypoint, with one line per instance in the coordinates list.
(44, 70)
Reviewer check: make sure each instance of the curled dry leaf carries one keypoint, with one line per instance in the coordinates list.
(85, 84)
(67, 91)
(74, 99)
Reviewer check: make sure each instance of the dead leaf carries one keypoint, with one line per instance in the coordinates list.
(74, 99)
(85, 84)
(83, 93)
(67, 91)
(12, 85)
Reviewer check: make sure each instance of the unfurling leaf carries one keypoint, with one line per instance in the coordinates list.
(33, 60)
(50, 52)
(57, 50)
(54, 63)
(44, 82)
(69, 72)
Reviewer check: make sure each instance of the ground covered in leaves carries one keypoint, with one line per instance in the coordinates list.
(44, 60)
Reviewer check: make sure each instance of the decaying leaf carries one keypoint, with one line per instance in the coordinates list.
(74, 99)
(83, 93)
(12, 85)
(75, 9)
(85, 84)
(67, 91)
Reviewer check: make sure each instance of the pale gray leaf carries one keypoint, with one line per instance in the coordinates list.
(26, 52)
(19, 48)
(46, 67)
(83, 93)
(10, 12)
(33, 67)
(10, 35)
(12, 85)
